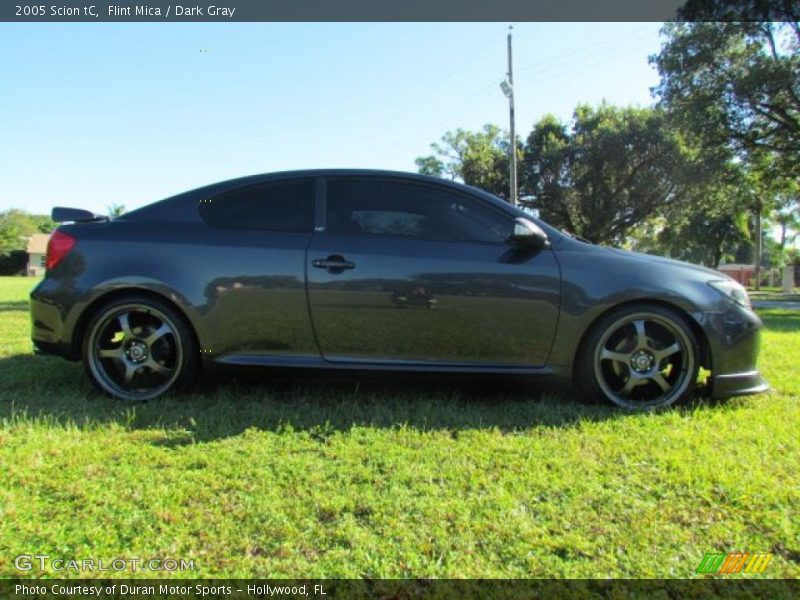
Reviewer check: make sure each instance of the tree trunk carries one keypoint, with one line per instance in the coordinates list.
(757, 271)
(717, 255)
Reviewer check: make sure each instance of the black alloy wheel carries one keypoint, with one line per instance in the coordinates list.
(138, 348)
(640, 358)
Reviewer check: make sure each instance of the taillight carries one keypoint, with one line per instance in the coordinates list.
(57, 248)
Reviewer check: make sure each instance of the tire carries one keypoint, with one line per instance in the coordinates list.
(137, 348)
(639, 357)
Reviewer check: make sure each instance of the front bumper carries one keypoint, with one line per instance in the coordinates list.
(737, 384)
(734, 337)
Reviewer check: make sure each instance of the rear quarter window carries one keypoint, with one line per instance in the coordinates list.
(277, 206)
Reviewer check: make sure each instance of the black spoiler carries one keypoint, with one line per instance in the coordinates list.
(62, 214)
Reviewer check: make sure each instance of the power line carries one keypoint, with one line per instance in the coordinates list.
(440, 118)
(465, 65)
(434, 119)
(566, 58)
(459, 70)
(549, 74)
(564, 66)
(609, 49)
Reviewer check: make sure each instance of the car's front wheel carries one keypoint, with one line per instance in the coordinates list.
(639, 357)
(137, 348)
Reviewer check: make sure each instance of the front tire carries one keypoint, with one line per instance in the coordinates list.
(137, 348)
(640, 357)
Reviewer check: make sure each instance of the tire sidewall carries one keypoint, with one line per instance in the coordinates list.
(587, 383)
(189, 359)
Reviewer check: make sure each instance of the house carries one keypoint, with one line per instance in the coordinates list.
(741, 273)
(37, 251)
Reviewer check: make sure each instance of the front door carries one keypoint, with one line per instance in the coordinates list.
(408, 272)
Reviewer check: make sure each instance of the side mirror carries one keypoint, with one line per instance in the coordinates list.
(527, 234)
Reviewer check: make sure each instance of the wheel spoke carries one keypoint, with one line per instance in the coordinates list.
(630, 384)
(157, 368)
(124, 323)
(157, 334)
(136, 351)
(644, 359)
(661, 382)
(130, 371)
(620, 357)
(112, 353)
(668, 351)
(641, 337)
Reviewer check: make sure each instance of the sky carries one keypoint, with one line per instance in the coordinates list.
(129, 113)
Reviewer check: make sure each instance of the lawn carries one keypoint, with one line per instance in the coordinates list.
(393, 479)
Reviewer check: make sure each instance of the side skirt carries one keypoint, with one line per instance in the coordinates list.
(315, 362)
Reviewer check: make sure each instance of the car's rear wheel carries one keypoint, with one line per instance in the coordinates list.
(639, 357)
(138, 348)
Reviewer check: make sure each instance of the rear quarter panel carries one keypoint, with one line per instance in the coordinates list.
(238, 289)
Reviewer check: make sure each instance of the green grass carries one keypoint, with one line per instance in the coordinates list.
(776, 296)
(341, 479)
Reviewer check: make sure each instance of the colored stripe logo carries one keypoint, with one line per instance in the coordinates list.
(734, 562)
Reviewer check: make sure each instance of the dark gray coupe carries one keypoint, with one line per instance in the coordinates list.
(370, 270)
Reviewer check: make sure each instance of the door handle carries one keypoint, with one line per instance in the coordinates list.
(334, 263)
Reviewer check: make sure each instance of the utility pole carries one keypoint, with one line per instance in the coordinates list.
(508, 89)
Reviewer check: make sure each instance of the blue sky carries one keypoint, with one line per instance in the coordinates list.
(94, 114)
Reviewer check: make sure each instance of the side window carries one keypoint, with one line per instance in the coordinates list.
(279, 206)
(386, 207)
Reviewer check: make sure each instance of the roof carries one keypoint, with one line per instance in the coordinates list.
(37, 243)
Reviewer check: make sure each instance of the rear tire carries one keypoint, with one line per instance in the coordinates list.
(639, 357)
(137, 348)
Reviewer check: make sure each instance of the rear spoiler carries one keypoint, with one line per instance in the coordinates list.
(62, 214)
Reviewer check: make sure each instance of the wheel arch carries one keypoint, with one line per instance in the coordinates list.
(697, 330)
(91, 309)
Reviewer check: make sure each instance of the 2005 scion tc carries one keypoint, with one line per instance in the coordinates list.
(371, 270)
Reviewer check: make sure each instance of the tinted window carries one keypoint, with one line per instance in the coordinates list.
(283, 206)
(383, 207)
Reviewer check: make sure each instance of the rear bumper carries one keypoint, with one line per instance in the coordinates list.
(50, 330)
(50, 349)
(737, 384)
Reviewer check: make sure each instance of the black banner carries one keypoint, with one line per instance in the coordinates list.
(339, 10)
(398, 10)
(461, 589)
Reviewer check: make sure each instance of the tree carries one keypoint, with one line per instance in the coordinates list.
(771, 189)
(735, 84)
(115, 210)
(741, 11)
(478, 158)
(16, 226)
(430, 165)
(712, 231)
(14, 230)
(608, 171)
(546, 174)
(788, 221)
